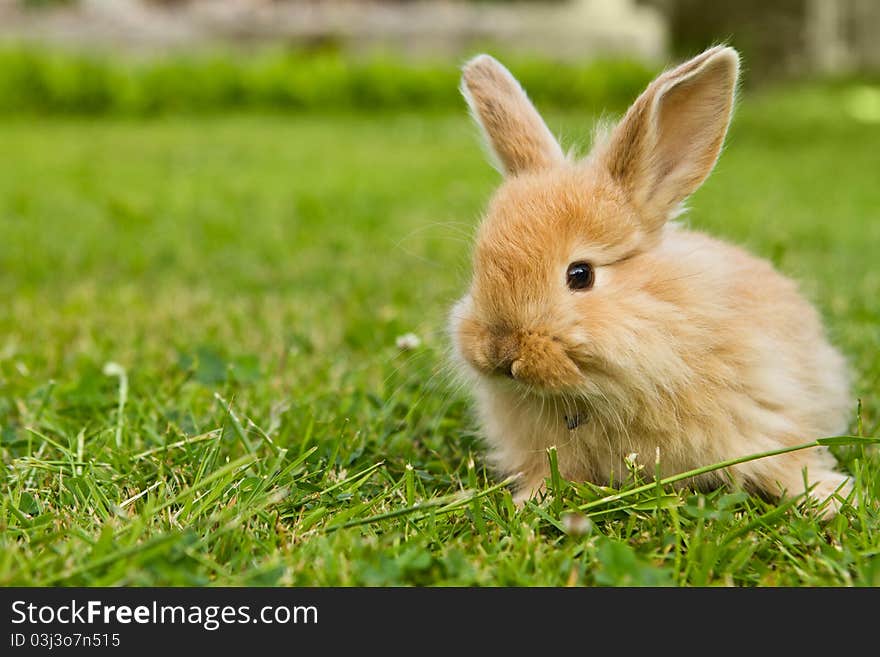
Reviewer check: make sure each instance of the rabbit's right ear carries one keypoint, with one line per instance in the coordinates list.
(669, 140)
(518, 137)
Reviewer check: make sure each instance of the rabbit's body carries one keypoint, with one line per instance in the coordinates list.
(671, 344)
(700, 395)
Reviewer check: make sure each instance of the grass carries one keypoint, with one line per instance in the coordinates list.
(246, 276)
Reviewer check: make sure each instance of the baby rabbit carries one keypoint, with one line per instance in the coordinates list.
(596, 323)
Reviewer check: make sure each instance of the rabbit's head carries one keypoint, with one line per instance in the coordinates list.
(571, 274)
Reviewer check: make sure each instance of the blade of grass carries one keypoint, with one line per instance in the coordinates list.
(445, 504)
(115, 369)
(214, 433)
(833, 440)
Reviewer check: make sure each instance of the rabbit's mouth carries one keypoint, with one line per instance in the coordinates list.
(540, 379)
(567, 397)
(530, 361)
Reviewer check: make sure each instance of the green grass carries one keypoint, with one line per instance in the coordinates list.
(250, 273)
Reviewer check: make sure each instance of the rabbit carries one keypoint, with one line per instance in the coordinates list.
(597, 323)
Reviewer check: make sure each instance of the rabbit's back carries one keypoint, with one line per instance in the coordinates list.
(765, 340)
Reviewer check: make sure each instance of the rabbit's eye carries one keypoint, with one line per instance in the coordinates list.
(580, 276)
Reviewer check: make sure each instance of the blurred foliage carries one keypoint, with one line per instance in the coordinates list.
(34, 80)
(771, 36)
(45, 4)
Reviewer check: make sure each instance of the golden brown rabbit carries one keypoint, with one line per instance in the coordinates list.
(597, 324)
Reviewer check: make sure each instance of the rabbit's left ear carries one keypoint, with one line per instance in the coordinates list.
(516, 133)
(669, 140)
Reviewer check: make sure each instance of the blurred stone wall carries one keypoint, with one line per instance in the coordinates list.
(561, 28)
(779, 38)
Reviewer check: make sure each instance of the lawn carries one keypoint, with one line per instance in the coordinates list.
(248, 275)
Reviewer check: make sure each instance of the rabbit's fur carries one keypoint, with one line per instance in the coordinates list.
(686, 349)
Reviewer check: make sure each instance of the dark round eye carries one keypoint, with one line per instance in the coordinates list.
(579, 276)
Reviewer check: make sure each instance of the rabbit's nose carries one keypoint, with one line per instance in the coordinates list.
(504, 354)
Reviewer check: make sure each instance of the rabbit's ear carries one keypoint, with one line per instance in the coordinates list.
(669, 140)
(518, 137)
